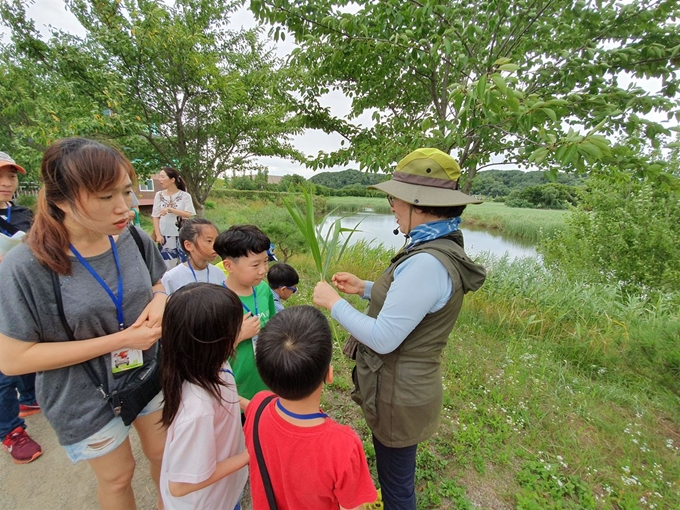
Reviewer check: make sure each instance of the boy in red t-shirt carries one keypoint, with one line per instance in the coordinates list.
(312, 461)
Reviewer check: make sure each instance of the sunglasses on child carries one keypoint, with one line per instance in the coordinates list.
(293, 289)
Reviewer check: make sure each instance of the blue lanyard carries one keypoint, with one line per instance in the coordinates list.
(254, 303)
(299, 416)
(118, 301)
(9, 217)
(227, 371)
(207, 269)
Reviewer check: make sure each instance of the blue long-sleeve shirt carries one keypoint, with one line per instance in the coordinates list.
(421, 285)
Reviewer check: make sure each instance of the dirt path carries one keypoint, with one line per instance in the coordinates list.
(52, 482)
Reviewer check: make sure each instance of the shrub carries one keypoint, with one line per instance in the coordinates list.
(626, 234)
(29, 201)
(544, 196)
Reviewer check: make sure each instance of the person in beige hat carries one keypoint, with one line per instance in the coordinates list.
(414, 306)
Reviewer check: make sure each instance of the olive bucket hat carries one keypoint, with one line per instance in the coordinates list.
(427, 177)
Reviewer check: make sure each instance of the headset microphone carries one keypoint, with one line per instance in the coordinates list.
(396, 231)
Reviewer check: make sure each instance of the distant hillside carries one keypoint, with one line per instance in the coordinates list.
(338, 180)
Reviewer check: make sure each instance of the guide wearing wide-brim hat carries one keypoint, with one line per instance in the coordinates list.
(5, 161)
(427, 177)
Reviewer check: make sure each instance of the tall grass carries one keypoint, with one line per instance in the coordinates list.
(529, 224)
(556, 395)
(326, 249)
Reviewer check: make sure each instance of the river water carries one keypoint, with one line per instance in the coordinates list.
(378, 228)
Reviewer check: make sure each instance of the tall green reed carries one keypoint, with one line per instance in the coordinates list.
(325, 248)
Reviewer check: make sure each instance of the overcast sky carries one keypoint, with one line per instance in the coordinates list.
(53, 12)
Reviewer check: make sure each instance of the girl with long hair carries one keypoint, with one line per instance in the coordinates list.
(171, 204)
(82, 301)
(205, 450)
(196, 238)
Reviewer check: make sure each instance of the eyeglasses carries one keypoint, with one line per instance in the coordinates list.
(293, 289)
(390, 199)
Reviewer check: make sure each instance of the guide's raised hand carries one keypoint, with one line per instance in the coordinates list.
(348, 283)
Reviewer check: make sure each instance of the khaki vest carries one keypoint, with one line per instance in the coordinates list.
(400, 393)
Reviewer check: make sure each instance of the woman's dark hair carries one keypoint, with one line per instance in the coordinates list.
(70, 168)
(191, 229)
(294, 352)
(200, 326)
(443, 212)
(240, 240)
(282, 275)
(174, 174)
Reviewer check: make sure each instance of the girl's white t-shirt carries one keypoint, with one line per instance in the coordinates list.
(180, 201)
(204, 432)
(181, 275)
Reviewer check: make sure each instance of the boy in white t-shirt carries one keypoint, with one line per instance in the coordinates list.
(196, 238)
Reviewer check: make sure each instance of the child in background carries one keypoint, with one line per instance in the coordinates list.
(196, 238)
(283, 280)
(204, 450)
(243, 249)
(293, 357)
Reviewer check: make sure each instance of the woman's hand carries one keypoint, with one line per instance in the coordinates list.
(141, 336)
(249, 327)
(153, 313)
(348, 283)
(159, 239)
(325, 295)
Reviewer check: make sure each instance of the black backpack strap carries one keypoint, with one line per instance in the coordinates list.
(8, 227)
(69, 332)
(260, 457)
(138, 241)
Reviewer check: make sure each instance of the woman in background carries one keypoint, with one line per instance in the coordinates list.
(170, 204)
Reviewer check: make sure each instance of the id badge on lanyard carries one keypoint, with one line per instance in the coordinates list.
(122, 359)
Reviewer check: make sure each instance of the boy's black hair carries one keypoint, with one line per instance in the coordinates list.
(294, 351)
(191, 229)
(282, 275)
(200, 325)
(240, 240)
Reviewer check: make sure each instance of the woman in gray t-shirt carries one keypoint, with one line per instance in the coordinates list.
(113, 301)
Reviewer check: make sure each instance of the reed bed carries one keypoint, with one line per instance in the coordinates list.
(556, 394)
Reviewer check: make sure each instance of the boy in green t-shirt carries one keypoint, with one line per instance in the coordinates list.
(243, 249)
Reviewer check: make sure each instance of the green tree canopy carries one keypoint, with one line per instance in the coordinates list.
(171, 85)
(523, 81)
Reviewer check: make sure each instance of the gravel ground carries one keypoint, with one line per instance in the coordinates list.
(53, 482)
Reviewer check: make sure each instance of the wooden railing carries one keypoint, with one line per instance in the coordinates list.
(28, 188)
